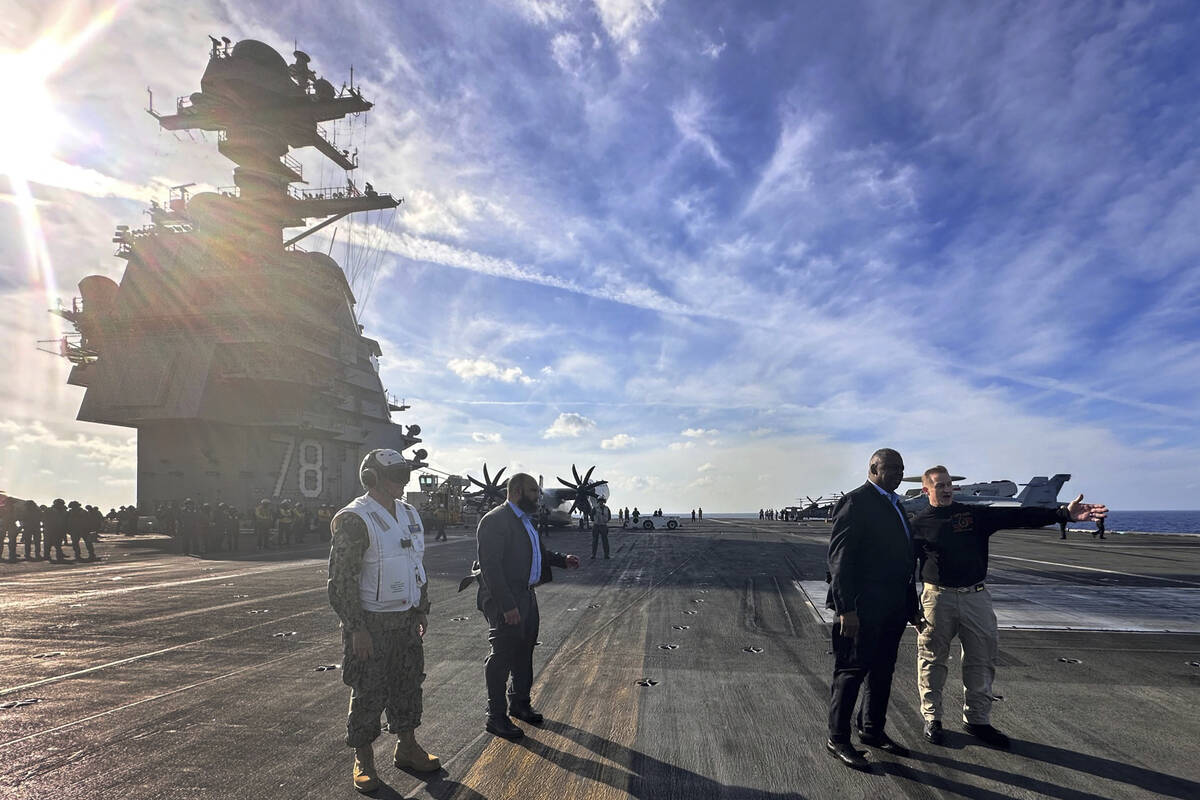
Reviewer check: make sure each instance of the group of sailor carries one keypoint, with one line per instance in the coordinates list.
(204, 528)
(42, 529)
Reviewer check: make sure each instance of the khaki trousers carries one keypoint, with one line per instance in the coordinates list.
(969, 616)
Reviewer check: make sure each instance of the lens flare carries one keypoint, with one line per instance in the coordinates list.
(27, 149)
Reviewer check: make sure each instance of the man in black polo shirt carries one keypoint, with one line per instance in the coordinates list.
(951, 541)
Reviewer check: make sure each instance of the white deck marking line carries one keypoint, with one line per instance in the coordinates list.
(786, 614)
(221, 607)
(147, 699)
(812, 606)
(92, 593)
(1098, 569)
(131, 659)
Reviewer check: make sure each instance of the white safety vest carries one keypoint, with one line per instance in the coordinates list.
(392, 574)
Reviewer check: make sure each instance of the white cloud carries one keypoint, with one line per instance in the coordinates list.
(789, 170)
(568, 424)
(696, 433)
(714, 50)
(706, 467)
(105, 453)
(567, 51)
(619, 442)
(470, 369)
(693, 119)
(486, 438)
(623, 19)
(681, 446)
(543, 12)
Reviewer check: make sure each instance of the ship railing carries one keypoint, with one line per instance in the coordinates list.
(326, 193)
(323, 134)
(292, 164)
(125, 238)
(77, 351)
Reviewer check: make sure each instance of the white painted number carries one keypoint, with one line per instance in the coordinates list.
(310, 463)
(287, 460)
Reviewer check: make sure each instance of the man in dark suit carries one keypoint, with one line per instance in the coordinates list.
(871, 567)
(512, 561)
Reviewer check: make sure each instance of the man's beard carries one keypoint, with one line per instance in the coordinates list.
(527, 505)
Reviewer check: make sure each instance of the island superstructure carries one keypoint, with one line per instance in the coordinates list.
(235, 354)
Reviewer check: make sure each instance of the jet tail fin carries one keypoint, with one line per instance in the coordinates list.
(1042, 491)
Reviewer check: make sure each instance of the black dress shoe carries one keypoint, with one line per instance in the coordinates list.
(933, 732)
(884, 742)
(842, 751)
(503, 726)
(988, 735)
(527, 714)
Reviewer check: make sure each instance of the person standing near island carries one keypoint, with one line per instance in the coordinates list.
(952, 547)
(379, 590)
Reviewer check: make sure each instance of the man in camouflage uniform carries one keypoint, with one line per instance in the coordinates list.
(379, 590)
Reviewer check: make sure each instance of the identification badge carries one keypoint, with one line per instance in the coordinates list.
(414, 528)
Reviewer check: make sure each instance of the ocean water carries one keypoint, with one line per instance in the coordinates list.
(1142, 521)
(1152, 521)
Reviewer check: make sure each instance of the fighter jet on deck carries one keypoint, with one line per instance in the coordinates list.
(1040, 491)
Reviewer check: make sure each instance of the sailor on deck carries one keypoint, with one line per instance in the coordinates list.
(951, 540)
(379, 590)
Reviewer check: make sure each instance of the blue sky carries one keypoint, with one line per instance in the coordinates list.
(722, 251)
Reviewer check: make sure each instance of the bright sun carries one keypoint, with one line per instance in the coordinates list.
(29, 144)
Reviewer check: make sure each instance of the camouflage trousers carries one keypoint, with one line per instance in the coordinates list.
(389, 681)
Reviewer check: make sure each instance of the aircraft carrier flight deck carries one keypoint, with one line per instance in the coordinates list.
(693, 664)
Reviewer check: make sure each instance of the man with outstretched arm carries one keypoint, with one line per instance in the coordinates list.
(871, 590)
(379, 590)
(512, 561)
(952, 546)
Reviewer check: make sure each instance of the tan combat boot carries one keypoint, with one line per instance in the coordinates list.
(411, 755)
(366, 779)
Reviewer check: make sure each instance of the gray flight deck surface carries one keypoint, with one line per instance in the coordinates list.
(162, 676)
